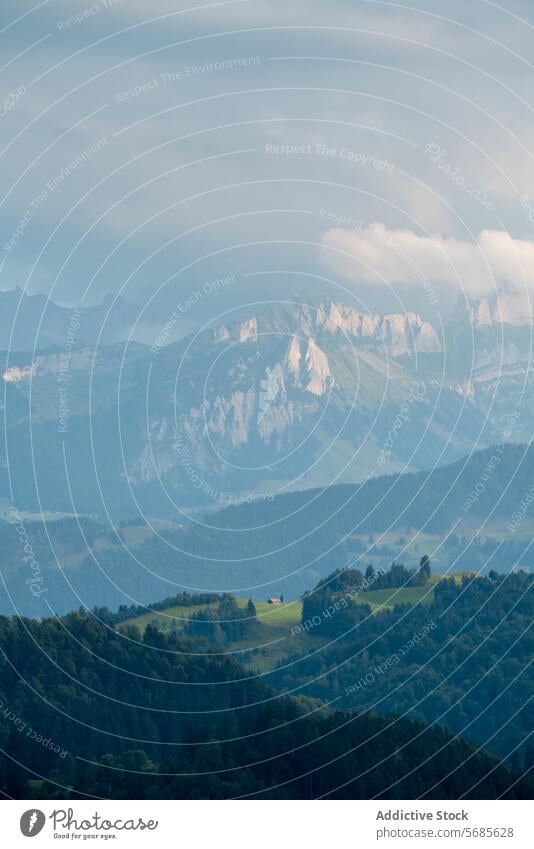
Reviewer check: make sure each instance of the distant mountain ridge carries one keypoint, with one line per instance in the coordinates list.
(396, 333)
(34, 321)
(298, 394)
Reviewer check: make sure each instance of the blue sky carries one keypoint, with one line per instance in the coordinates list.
(149, 147)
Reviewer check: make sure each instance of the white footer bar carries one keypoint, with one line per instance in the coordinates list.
(268, 824)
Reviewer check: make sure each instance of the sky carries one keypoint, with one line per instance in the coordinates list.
(362, 150)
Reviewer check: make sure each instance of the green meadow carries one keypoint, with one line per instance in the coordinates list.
(274, 637)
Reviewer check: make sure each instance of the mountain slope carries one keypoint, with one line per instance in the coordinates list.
(460, 658)
(296, 396)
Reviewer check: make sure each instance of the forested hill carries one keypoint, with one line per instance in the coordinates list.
(489, 482)
(297, 538)
(461, 657)
(89, 711)
(284, 545)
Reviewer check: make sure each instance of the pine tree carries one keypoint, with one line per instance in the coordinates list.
(424, 568)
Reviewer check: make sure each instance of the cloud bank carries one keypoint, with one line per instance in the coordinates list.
(374, 255)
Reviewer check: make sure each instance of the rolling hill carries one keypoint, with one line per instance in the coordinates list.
(285, 545)
(203, 728)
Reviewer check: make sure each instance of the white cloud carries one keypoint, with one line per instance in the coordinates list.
(359, 104)
(376, 255)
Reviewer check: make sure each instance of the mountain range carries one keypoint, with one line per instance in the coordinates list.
(296, 395)
(31, 322)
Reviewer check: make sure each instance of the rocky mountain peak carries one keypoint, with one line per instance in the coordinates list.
(513, 308)
(396, 333)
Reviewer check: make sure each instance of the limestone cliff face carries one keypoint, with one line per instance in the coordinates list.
(491, 333)
(275, 407)
(397, 333)
(269, 406)
(15, 374)
(289, 397)
(513, 308)
(51, 365)
(268, 392)
(248, 330)
(251, 384)
(230, 416)
(318, 374)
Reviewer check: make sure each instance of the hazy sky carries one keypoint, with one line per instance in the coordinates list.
(304, 146)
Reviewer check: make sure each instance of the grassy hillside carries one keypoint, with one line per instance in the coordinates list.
(275, 636)
(280, 618)
(272, 616)
(269, 642)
